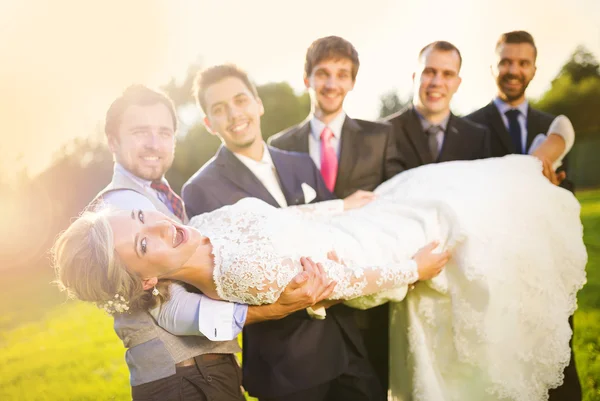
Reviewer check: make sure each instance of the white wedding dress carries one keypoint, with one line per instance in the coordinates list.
(492, 326)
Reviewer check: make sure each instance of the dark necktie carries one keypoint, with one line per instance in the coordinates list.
(174, 202)
(514, 129)
(432, 140)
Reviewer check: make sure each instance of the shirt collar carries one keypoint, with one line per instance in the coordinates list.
(426, 124)
(266, 159)
(317, 126)
(503, 107)
(140, 181)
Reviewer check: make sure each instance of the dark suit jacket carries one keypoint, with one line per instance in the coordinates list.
(538, 122)
(368, 155)
(463, 140)
(297, 352)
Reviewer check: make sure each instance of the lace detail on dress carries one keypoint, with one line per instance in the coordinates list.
(249, 269)
(317, 210)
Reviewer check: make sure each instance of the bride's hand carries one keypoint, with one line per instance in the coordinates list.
(430, 264)
(358, 199)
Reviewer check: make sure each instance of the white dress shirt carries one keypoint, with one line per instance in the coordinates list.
(523, 108)
(265, 171)
(314, 139)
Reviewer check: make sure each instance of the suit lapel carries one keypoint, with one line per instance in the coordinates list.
(498, 126)
(239, 175)
(451, 145)
(415, 134)
(300, 138)
(290, 185)
(534, 126)
(350, 144)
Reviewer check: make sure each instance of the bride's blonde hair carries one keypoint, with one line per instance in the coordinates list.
(88, 268)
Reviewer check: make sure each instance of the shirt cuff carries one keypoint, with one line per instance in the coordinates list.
(221, 320)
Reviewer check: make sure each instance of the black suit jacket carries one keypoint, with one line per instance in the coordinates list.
(368, 154)
(297, 352)
(538, 122)
(463, 140)
(368, 157)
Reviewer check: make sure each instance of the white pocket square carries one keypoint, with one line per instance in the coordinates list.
(309, 193)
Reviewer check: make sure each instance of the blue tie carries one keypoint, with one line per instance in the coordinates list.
(514, 129)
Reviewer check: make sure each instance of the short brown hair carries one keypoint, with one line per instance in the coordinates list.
(516, 37)
(217, 73)
(330, 47)
(138, 95)
(443, 46)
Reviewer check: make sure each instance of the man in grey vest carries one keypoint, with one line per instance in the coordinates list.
(182, 349)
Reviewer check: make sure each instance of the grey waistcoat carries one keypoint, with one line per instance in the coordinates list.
(152, 352)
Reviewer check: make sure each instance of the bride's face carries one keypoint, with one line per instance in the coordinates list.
(150, 244)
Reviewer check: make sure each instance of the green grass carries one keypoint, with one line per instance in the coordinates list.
(51, 350)
(586, 342)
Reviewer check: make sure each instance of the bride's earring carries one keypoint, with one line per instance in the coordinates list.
(155, 291)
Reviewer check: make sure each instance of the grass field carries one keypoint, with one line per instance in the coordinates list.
(52, 350)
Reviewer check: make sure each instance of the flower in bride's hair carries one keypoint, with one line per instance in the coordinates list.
(116, 305)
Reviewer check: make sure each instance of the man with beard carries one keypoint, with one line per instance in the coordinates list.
(512, 122)
(184, 348)
(351, 154)
(514, 125)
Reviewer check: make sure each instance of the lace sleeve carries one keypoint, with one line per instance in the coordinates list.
(250, 268)
(357, 281)
(260, 276)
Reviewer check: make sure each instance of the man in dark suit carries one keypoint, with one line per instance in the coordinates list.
(428, 132)
(351, 154)
(298, 357)
(514, 125)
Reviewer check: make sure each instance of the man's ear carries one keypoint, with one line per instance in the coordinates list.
(149, 283)
(112, 142)
(208, 126)
(306, 82)
(261, 107)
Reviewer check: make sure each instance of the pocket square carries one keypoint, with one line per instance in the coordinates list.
(309, 193)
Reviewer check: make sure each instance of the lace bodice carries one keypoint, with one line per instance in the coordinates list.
(257, 250)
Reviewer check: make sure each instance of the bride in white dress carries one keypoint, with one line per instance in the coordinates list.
(492, 326)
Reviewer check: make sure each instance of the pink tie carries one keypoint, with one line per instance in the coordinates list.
(329, 161)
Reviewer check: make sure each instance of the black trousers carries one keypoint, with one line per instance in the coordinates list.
(357, 383)
(208, 380)
(571, 387)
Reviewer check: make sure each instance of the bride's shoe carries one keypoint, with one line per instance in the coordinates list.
(541, 144)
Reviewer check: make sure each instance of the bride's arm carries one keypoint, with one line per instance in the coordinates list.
(265, 275)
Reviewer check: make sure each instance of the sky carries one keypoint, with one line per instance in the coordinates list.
(63, 62)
